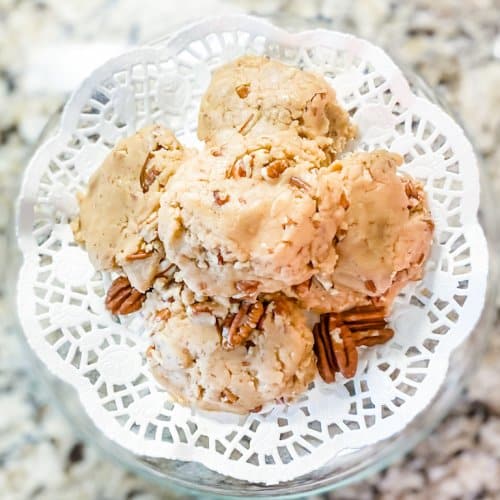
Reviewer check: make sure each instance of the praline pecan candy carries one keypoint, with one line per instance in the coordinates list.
(122, 298)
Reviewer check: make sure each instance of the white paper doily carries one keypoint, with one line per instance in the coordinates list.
(60, 296)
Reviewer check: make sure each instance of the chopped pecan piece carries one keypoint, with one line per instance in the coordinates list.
(299, 183)
(201, 307)
(167, 273)
(228, 397)
(276, 168)
(370, 286)
(411, 190)
(302, 288)
(220, 258)
(247, 286)
(148, 175)
(430, 223)
(340, 234)
(280, 305)
(220, 198)
(243, 90)
(139, 255)
(122, 298)
(163, 314)
(241, 168)
(344, 202)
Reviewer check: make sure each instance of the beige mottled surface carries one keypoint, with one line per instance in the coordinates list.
(388, 225)
(383, 241)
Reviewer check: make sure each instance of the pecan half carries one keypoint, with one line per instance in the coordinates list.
(362, 313)
(363, 326)
(362, 319)
(122, 298)
(344, 348)
(337, 336)
(254, 314)
(236, 329)
(369, 338)
(323, 348)
(335, 350)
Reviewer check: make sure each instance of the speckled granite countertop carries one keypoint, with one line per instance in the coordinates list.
(454, 44)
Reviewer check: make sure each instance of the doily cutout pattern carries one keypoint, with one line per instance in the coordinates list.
(60, 296)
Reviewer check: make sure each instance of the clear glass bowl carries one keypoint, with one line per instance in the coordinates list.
(193, 478)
